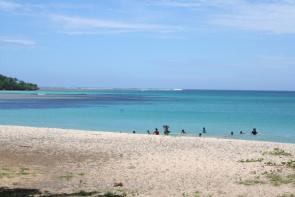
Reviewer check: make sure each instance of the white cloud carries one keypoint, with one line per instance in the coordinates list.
(8, 5)
(11, 6)
(194, 3)
(21, 42)
(276, 17)
(81, 24)
(268, 16)
(22, 7)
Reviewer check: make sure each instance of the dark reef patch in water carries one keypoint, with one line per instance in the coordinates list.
(33, 101)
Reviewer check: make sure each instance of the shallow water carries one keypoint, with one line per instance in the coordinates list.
(272, 113)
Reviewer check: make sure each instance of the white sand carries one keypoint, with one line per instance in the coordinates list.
(60, 160)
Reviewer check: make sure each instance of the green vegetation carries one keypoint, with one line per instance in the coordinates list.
(251, 160)
(185, 195)
(5, 172)
(277, 180)
(287, 195)
(81, 174)
(9, 192)
(277, 152)
(68, 176)
(24, 171)
(254, 181)
(8, 83)
(12, 173)
(269, 163)
(291, 164)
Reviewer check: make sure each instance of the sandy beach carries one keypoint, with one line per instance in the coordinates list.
(65, 161)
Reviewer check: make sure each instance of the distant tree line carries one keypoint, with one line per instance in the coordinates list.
(9, 83)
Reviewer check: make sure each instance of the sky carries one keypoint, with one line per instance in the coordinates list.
(189, 44)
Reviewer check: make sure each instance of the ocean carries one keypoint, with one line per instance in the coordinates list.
(272, 113)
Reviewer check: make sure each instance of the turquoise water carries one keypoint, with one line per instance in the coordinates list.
(272, 113)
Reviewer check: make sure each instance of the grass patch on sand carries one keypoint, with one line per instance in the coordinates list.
(290, 164)
(6, 173)
(25, 171)
(68, 176)
(256, 180)
(287, 195)
(196, 194)
(269, 163)
(81, 174)
(277, 179)
(251, 160)
(10, 173)
(277, 152)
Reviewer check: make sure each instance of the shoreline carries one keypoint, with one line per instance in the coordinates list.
(67, 161)
(206, 136)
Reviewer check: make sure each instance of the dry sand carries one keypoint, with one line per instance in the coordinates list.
(59, 160)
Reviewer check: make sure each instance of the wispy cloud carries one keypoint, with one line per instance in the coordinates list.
(193, 3)
(268, 16)
(277, 17)
(81, 24)
(9, 5)
(20, 42)
(22, 7)
(15, 7)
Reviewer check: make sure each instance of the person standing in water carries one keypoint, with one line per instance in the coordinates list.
(156, 132)
(183, 132)
(204, 130)
(254, 132)
(166, 130)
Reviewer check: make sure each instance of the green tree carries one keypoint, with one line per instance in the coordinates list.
(9, 83)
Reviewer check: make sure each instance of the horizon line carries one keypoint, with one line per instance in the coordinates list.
(159, 89)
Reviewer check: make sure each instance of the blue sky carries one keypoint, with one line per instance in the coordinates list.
(234, 44)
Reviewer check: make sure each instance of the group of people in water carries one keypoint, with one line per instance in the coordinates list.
(183, 132)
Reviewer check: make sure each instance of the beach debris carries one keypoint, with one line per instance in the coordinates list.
(118, 184)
